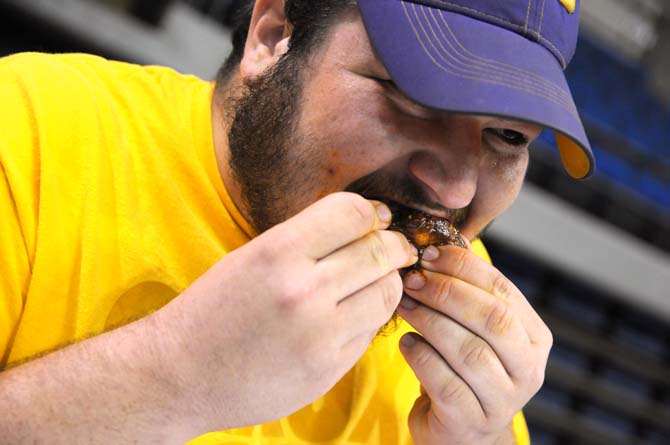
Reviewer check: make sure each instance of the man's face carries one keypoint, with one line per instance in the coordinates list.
(311, 128)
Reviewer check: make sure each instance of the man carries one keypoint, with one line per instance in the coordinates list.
(151, 297)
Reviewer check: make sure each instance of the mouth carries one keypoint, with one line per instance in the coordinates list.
(398, 207)
(424, 229)
(422, 220)
(400, 191)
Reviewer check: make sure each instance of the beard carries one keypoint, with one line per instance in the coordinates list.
(263, 130)
(276, 167)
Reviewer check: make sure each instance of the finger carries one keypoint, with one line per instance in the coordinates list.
(468, 355)
(493, 319)
(362, 262)
(451, 398)
(467, 266)
(370, 308)
(332, 222)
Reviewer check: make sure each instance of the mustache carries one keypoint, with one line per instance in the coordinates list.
(404, 190)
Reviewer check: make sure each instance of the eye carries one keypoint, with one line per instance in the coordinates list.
(401, 102)
(386, 83)
(509, 137)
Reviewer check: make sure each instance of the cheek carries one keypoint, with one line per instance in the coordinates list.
(499, 183)
(348, 132)
(510, 170)
(504, 179)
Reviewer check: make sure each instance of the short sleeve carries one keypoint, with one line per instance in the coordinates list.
(14, 269)
(19, 194)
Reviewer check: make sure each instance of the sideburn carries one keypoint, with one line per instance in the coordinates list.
(265, 120)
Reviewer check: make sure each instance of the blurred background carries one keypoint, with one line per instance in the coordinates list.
(593, 257)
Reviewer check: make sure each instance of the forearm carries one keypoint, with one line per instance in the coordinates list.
(114, 388)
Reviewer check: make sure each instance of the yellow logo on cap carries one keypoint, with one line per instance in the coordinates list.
(569, 5)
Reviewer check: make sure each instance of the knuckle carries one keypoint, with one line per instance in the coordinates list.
(422, 357)
(547, 338)
(536, 378)
(451, 392)
(532, 381)
(542, 338)
(539, 380)
(292, 294)
(378, 250)
(444, 291)
(502, 287)
(391, 291)
(282, 238)
(400, 247)
(267, 251)
(359, 209)
(436, 320)
(532, 378)
(286, 239)
(462, 260)
(499, 317)
(475, 353)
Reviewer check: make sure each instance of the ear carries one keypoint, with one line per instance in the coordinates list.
(268, 37)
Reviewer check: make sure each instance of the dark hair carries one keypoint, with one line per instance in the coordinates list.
(311, 20)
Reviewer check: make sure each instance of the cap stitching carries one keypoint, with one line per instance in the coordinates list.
(471, 76)
(510, 79)
(545, 84)
(539, 28)
(480, 13)
(564, 64)
(525, 26)
(493, 80)
(470, 64)
(507, 22)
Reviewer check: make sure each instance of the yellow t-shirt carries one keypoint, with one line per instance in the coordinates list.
(111, 204)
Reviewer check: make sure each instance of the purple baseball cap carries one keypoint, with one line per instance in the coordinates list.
(495, 57)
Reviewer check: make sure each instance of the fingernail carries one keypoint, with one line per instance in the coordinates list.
(408, 303)
(384, 213)
(430, 253)
(415, 280)
(408, 340)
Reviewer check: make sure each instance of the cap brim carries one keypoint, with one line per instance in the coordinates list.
(452, 62)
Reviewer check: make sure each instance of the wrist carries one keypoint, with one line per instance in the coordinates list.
(172, 363)
(191, 361)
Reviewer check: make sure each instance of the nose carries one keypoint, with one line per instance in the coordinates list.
(449, 170)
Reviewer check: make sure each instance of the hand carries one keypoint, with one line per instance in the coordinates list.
(275, 324)
(482, 352)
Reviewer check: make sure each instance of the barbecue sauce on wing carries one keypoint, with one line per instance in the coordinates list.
(423, 229)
